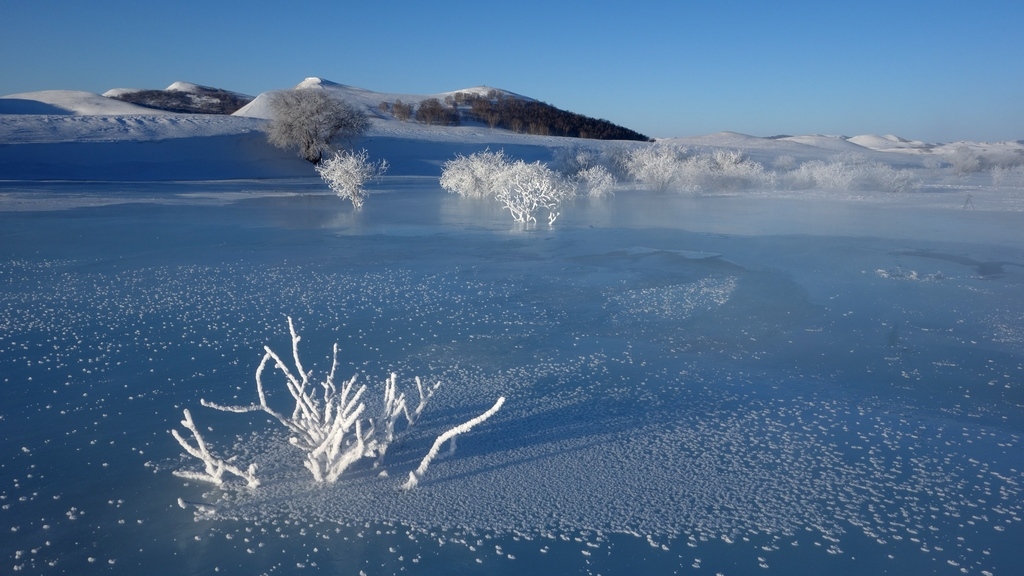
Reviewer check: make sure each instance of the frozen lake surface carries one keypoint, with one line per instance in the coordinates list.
(709, 384)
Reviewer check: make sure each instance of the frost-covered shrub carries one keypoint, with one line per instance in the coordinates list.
(850, 173)
(526, 188)
(326, 422)
(522, 188)
(595, 181)
(784, 162)
(476, 175)
(964, 161)
(573, 160)
(886, 178)
(1010, 177)
(819, 174)
(583, 166)
(731, 170)
(346, 172)
(665, 166)
(656, 166)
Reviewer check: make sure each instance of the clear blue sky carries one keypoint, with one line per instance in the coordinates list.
(930, 70)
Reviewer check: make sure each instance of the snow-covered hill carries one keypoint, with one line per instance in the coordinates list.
(367, 99)
(183, 97)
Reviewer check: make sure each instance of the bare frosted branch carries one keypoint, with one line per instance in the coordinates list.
(214, 467)
(415, 475)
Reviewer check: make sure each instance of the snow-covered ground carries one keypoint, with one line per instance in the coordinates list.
(774, 379)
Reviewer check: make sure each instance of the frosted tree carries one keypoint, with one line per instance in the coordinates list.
(311, 120)
(214, 467)
(346, 172)
(325, 424)
(417, 474)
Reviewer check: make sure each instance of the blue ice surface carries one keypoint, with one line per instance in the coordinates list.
(696, 384)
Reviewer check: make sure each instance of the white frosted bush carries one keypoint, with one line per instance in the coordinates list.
(326, 424)
(595, 181)
(964, 161)
(884, 177)
(476, 175)
(722, 170)
(346, 172)
(832, 175)
(656, 165)
(784, 162)
(524, 189)
(851, 173)
(1010, 176)
(573, 160)
(667, 167)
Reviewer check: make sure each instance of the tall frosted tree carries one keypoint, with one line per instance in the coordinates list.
(311, 120)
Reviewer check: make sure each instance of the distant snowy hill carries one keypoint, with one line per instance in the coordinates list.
(479, 105)
(184, 97)
(889, 143)
(367, 99)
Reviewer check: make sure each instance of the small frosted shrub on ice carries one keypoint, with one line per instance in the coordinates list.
(326, 422)
(964, 161)
(476, 175)
(346, 172)
(851, 172)
(664, 167)
(583, 166)
(656, 166)
(522, 188)
(784, 162)
(595, 181)
(525, 189)
(573, 160)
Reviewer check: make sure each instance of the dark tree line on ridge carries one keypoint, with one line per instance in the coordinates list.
(500, 110)
(202, 101)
